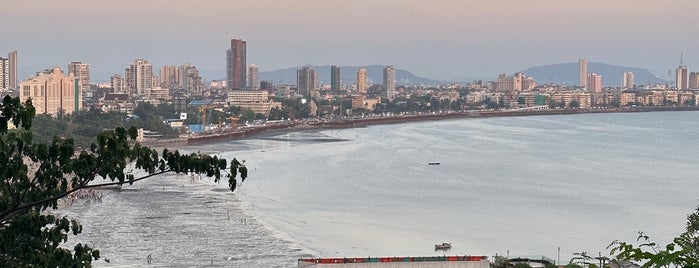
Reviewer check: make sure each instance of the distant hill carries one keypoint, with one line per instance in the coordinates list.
(567, 73)
(348, 75)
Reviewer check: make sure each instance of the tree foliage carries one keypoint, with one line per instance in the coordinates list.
(36, 175)
(683, 251)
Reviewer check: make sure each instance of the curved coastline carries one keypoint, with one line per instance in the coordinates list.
(197, 139)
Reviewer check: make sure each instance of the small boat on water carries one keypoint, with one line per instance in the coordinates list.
(433, 163)
(442, 246)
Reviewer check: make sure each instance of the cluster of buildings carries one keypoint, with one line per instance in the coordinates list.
(522, 92)
(56, 91)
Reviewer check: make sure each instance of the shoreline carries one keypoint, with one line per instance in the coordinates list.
(212, 138)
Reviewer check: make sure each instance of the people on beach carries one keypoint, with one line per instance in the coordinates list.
(88, 195)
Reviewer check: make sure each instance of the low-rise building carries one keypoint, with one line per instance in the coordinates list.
(255, 100)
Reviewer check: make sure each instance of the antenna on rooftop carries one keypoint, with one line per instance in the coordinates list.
(681, 59)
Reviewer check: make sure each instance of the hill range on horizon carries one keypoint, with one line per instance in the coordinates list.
(567, 74)
(562, 74)
(348, 75)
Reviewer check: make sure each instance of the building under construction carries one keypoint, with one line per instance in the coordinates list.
(399, 262)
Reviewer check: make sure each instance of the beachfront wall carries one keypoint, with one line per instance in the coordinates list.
(399, 262)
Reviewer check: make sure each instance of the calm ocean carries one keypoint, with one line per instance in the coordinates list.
(523, 185)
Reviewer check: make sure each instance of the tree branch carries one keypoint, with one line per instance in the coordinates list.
(9, 212)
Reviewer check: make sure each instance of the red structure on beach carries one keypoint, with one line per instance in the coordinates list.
(397, 262)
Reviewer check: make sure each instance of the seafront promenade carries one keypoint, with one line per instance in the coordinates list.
(352, 122)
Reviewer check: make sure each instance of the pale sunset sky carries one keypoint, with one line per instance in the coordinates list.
(440, 39)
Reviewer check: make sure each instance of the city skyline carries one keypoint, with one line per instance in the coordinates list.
(463, 38)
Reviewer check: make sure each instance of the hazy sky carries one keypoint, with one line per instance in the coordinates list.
(442, 39)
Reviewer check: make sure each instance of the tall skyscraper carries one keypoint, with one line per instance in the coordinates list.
(306, 81)
(235, 64)
(82, 72)
(12, 69)
(594, 83)
(168, 76)
(582, 64)
(139, 77)
(361, 81)
(4, 73)
(627, 80)
(182, 72)
(335, 78)
(253, 77)
(682, 78)
(389, 82)
(52, 92)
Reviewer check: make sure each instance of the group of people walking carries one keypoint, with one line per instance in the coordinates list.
(87, 195)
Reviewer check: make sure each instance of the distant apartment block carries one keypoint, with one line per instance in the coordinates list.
(335, 80)
(627, 80)
(516, 82)
(254, 77)
(694, 80)
(389, 82)
(82, 71)
(169, 77)
(582, 72)
(236, 64)
(594, 83)
(52, 92)
(307, 82)
(139, 77)
(188, 79)
(12, 70)
(4, 73)
(118, 84)
(682, 78)
(362, 87)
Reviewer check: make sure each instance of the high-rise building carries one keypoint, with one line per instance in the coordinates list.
(4, 73)
(307, 81)
(335, 78)
(189, 79)
(12, 70)
(389, 82)
(361, 81)
(594, 83)
(118, 83)
(52, 92)
(235, 64)
(253, 77)
(627, 80)
(182, 72)
(682, 78)
(582, 64)
(82, 72)
(169, 76)
(694, 80)
(139, 77)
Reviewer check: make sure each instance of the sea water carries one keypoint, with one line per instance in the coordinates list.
(517, 186)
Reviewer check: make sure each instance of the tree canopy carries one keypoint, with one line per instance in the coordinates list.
(683, 251)
(36, 175)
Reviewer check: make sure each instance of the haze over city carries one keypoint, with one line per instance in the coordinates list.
(444, 39)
